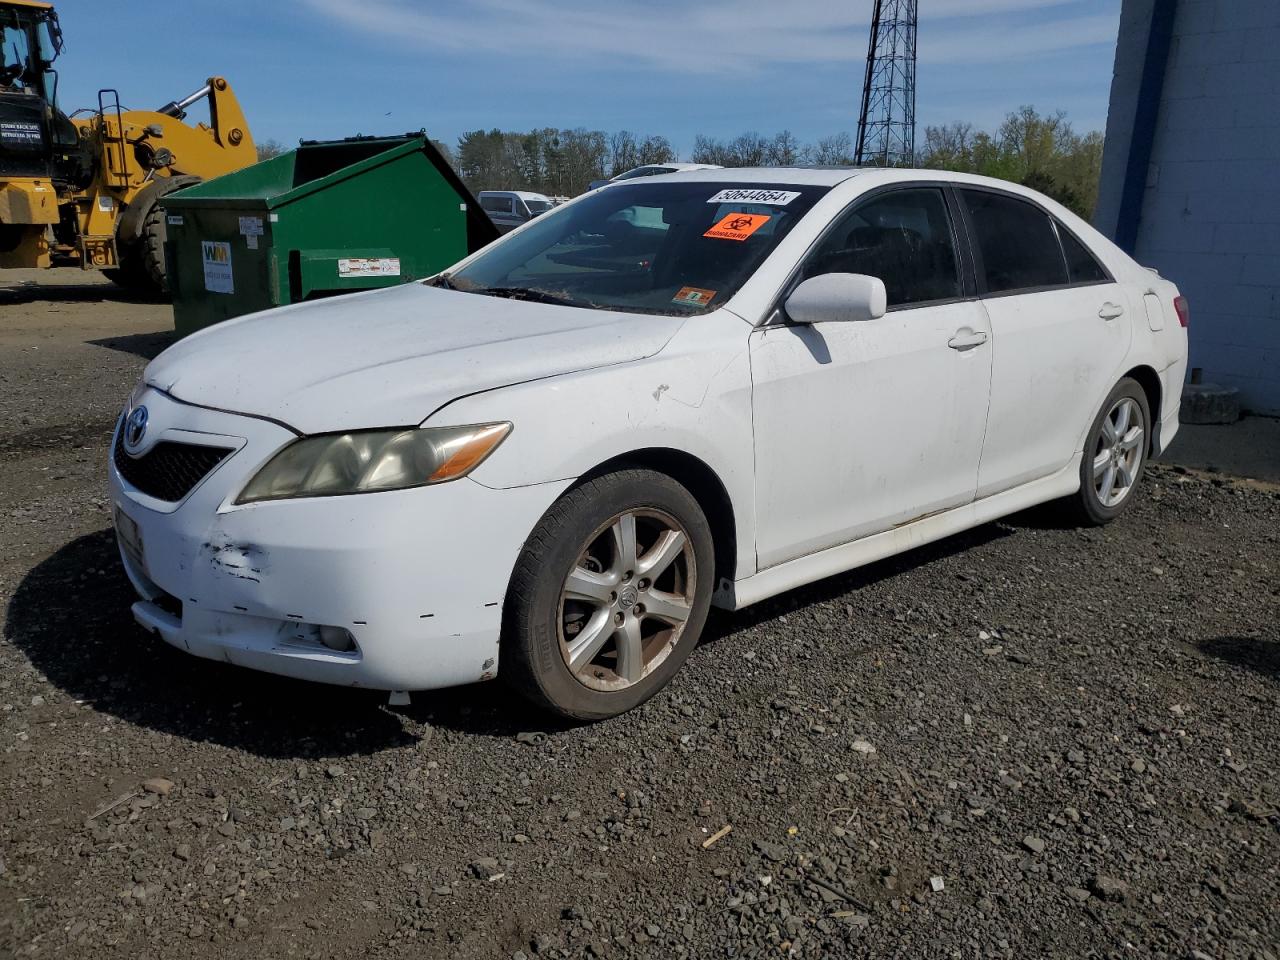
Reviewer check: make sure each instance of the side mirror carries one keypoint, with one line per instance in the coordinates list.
(837, 297)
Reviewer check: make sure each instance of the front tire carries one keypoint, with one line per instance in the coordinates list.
(609, 596)
(142, 263)
(1114, 456)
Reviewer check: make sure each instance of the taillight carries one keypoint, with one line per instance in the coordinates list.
(1184, 311)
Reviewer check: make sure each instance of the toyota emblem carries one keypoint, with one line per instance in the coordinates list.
(135, 428)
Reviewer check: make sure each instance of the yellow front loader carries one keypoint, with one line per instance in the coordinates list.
(82, 190)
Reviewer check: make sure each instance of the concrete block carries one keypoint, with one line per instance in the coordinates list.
(1195, 273)
(1250, 312)
(1235, 361)
(1256, 110)
(1262, 269)
(1226, 46)
(1209, 403)
(1246, 237)
(1262, 45)
(1176, 235)
(1235, 143)
(1246, 14)
(1186, 83)
(1221, 176)
(1194, 16)
(1253, 79)
(1197, 114)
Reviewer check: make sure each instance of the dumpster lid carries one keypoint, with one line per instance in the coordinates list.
(318, 164)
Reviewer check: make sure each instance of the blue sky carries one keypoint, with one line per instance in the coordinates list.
(333, 68)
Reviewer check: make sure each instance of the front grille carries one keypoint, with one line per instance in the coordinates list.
(168, 471)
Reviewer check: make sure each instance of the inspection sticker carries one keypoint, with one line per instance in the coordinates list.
(693, 296)
(217, 266)
(373, 267)
(778, 198)
(175, 221)
(737, 226)
(251, 226)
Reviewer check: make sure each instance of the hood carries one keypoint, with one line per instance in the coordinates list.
(392, 357)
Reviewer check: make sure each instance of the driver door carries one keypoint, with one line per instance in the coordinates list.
(862, 427)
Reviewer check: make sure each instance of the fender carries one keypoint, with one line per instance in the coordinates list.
(129, 226)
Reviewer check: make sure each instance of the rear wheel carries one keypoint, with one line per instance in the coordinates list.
(1115, 455)
(609, 596)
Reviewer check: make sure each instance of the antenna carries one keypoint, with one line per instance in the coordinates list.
(887, 124)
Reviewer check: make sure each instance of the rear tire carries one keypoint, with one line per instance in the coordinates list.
(1114, 456)
(609, 596)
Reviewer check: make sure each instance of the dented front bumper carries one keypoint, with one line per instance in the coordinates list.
(417, 577)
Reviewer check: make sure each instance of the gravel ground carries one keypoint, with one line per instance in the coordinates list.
(1029, 740)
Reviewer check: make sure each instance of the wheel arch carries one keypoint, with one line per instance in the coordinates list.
(696, 476)
(1149, 380)
(129, 226)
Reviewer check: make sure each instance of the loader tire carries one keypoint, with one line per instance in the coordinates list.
(142, 266)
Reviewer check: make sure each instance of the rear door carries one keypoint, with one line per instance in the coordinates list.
(1060, 328)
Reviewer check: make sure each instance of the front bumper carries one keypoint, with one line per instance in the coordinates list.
(417, 577)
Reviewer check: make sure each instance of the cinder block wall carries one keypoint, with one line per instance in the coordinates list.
(1210, 213)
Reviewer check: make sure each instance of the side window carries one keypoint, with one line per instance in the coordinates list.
(1019, 247)
(496, 204)
(903, 237)
(1082, 265)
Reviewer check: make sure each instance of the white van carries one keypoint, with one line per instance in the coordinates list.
(508, 209)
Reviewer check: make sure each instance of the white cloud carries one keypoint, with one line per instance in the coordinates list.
(717, 36)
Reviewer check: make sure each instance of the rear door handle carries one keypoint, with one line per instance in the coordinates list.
(967, 339)
(1109, 311)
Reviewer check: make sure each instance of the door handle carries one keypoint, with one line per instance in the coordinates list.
(967, 339)
(1109, 310)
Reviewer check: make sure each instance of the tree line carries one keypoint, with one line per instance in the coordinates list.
(1040, 151)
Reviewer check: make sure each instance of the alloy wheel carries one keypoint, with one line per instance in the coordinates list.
(625, 603)
(1118, 453)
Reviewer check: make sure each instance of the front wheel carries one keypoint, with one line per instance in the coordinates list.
(1115, 455)
(609, 596)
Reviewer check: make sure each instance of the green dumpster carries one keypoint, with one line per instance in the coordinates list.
(330, 217)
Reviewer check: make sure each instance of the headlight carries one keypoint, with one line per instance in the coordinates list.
(367, 461)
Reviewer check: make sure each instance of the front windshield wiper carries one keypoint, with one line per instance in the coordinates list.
(531, 294)
(443, 282)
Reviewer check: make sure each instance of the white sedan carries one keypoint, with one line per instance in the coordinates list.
(706, 388)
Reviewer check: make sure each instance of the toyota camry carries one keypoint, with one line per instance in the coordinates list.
(549, 461)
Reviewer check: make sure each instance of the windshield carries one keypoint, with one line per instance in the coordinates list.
(29, 42)
(669, 248)
(538, 206)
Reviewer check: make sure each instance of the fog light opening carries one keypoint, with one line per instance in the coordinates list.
(338, 639)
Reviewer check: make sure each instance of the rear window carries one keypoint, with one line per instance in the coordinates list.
(1017, 241)
(1082, 266)
(646, 247)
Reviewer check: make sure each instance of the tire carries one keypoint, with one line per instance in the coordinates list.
(1112, 465)
(642, 628)
(142, 264)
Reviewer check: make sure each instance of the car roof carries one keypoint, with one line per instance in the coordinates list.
(830, 176)
(522, 194)
(800, 176)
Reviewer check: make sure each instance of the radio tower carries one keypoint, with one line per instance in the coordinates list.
(887, 124)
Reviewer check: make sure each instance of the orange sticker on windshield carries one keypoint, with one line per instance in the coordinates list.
(737, 226)
(693, 296)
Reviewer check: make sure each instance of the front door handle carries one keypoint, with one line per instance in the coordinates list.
(967, 339)
(1109, 310)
